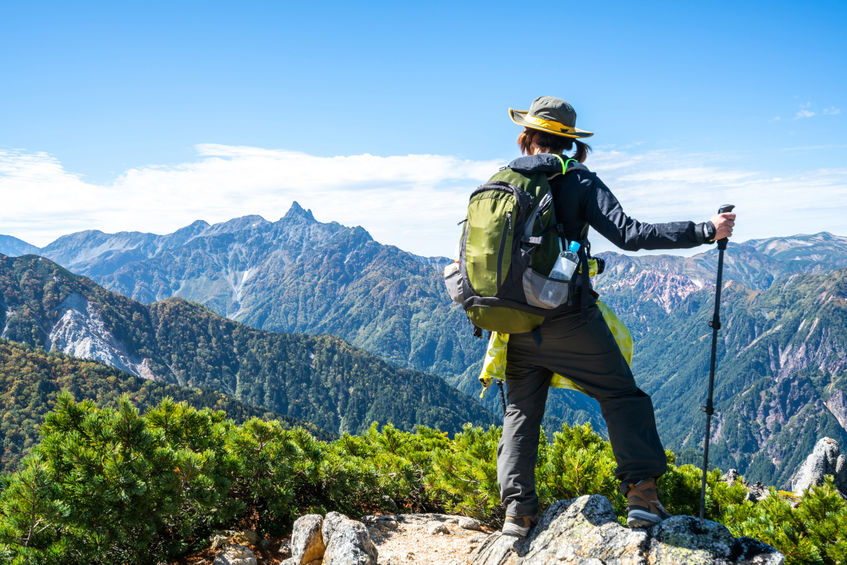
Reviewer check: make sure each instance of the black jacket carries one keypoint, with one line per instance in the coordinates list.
(582, 200)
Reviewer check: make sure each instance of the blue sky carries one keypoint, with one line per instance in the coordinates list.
(147, 116)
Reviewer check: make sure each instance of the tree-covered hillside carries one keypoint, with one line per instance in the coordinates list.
(320, 379)
(31, 380)
(782, 373)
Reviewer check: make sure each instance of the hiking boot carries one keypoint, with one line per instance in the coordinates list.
(643, 506)
(518, 525)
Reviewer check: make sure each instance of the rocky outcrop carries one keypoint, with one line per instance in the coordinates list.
(307, 543)
(837, 405)
(81, 332)
(333, 540)
(585, 530)
(825, 459)
(755, 492)
(349, 544)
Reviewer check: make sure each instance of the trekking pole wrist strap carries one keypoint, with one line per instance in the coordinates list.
(708, 231)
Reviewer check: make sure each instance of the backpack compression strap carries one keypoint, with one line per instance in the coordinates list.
(583, 255)
(564, 164)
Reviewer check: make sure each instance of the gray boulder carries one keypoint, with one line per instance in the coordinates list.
(469, 523)
(586, 531)
(331, 521)
(826, 459)
(235, 555)
(731, 476)
(756, 492)
(349, 543)
(307, 543)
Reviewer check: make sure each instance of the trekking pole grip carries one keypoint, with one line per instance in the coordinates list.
(722, 210)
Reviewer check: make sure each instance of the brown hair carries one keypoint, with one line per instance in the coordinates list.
(549, 143)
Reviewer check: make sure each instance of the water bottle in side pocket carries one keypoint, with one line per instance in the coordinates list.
(555, 290)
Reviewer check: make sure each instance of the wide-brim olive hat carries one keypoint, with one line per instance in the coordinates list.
(552, 115)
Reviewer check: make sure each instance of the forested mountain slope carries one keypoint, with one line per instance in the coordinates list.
(782, 356)
(320, 379)
(300, 275)
(293, 275)
(31, 379)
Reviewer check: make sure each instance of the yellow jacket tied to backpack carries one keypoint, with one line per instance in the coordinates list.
(494, 364)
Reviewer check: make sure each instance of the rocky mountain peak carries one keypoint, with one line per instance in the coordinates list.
(195, 227)
(298, 212)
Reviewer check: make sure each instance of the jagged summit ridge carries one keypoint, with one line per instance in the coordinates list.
(297, 211)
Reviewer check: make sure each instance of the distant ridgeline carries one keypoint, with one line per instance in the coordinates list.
(780, 382)
(319, 379)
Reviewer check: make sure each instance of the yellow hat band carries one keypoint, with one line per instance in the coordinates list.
(549, 125)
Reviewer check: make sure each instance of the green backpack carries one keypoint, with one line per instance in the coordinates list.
(508, 246)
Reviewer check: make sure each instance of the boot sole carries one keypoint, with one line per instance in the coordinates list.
(514, 530)
(641, 519)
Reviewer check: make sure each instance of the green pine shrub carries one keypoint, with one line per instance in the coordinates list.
(679, 489)
(577, 462)
(107, 485)
(465, 472)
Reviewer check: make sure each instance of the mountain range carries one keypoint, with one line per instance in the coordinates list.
(778, 386)
(302, 276)
(319, 379)
(782, 352)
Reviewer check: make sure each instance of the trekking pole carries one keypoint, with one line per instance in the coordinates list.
(715, 324)
(502, 396)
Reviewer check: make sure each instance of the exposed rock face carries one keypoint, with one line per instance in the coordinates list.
(837, 405)
(307, 543)
(585, 530)
(350, 544)
(825, 459)
(334, 540)
(330, 522)
(80, 332)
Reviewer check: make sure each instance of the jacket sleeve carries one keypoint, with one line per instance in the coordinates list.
(605, 214)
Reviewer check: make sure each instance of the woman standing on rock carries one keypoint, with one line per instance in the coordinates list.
(577, 342)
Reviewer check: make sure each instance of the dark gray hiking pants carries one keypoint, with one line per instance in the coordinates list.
(583, 350)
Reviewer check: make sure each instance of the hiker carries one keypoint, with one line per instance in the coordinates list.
(576, 341)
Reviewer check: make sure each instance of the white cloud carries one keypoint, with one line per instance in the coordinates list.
(402, 194)
(804, 111)
(411, 201)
